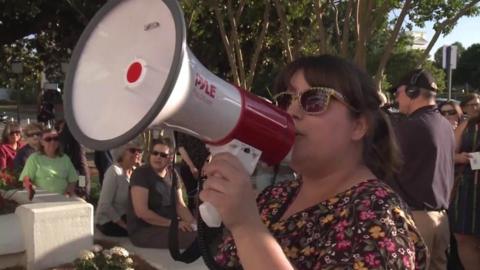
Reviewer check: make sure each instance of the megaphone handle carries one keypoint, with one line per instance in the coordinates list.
(248, 156)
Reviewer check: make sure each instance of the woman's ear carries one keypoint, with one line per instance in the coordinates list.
(360, 128)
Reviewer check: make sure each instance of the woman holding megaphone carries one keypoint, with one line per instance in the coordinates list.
(340, 214)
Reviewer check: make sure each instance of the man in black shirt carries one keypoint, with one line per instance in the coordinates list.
(427, 145)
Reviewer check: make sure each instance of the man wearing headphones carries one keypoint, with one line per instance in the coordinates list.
(427, 145)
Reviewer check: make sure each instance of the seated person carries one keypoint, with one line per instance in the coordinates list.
(113, 202)
(49, 168)
(148, 217)
(10, 144)
(32, 133)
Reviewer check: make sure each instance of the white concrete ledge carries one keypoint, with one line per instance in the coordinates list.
(48, 231)
(55, 232)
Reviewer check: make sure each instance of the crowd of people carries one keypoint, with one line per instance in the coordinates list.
(365, 189)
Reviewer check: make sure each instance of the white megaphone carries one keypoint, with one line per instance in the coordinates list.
(131, 70)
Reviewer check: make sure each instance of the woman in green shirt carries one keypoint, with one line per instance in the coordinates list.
(49, 169)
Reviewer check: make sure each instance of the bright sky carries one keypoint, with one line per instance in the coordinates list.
(467, 32)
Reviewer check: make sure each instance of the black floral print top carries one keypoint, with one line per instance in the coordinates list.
(365, 227)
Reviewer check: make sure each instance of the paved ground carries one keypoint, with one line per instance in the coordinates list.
(158, 258)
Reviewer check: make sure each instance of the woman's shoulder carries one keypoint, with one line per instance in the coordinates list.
(35, 155)
(114, 169)
(277, 191)
(376, 194)
(142, 170)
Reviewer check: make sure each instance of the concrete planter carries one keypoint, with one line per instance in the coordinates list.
(48, 231)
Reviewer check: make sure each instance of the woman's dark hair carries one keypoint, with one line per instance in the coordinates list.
(469, 98)
(41, 149)
(9, 127)
(380, 151)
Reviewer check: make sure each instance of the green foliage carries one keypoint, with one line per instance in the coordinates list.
(42, 34)
(403, 62)
(468, 67)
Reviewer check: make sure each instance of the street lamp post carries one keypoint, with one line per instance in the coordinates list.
(17, 68)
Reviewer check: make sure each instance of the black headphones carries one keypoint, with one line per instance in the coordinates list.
(412, 91)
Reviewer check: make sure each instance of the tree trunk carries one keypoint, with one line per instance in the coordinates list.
(346, 30)
(258, 46)
(227, 45)
(284, 30)
(361, 25)
(322, 34)
(391, 42)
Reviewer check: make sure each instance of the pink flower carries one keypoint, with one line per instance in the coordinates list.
(343, 245)
(406, 261)
(340, 227)
(366, 203)
(364, 215)
(371, 260)
(381, 193)
(388, 245)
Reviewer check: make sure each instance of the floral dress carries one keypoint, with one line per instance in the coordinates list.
(365, 227)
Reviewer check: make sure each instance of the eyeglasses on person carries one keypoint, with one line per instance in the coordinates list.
(448, 112)
(313, 101)
(15, 132)
(50, 139)
(33, 134)
(158, 153)
(135, 150)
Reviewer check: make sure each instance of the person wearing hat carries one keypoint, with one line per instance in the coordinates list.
(427, 144)
(113, 202)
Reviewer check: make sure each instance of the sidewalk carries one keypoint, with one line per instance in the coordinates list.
(158, 258)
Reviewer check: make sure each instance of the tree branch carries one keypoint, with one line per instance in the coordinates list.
(236, 43)
(226, 44)
(84, 19)
(391, 41)
(346, 29)
(442, 26)
(284, 30)
(258, 45)
(322, 35)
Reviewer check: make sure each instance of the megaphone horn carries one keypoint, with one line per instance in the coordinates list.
(131, 70)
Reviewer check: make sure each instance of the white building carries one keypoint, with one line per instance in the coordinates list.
(419, 40)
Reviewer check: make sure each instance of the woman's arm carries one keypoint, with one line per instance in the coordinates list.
(229, 189)
(139, 197)
(105, 202)
(182, 210)
(188, 160)
(464, 157)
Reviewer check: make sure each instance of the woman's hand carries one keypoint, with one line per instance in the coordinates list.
(185, 226)
(462, 158)
(229, 190)
(194, 171)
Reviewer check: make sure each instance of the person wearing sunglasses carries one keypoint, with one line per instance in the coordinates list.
(32, 134)
(452, 112)
(111, 212)
(150, 209)
(49, 169)
(427, 145)
(10, 144)
(339, 213)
